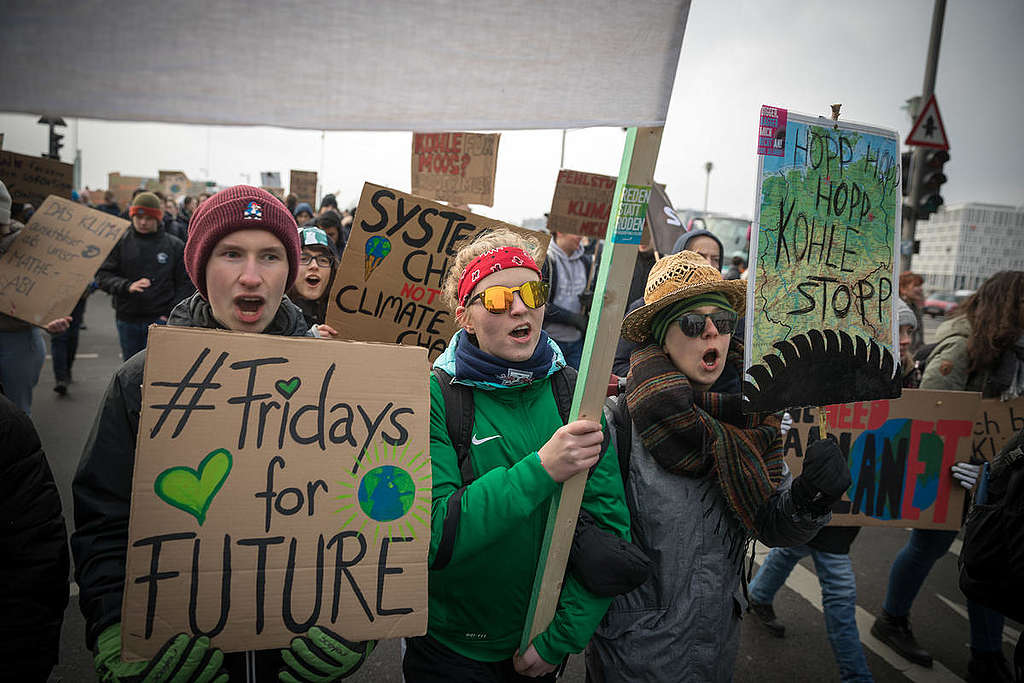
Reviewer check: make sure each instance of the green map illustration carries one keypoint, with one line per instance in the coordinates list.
(827, 225)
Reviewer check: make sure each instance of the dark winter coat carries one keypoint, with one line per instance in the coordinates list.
(103, 483)
(683, 623)
(34, 548)
(157, 256)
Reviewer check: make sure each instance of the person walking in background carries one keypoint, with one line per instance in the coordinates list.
(22, 350)
(567, 271)
(145, 272)
(912, 292)
(981, 349)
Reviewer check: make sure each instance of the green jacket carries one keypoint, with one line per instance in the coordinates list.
(478, 602)
(948, 365)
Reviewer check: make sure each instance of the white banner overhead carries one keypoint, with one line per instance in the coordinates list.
(322, 64)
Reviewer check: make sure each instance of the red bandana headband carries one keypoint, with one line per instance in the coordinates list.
(150, 211)
(491, 262)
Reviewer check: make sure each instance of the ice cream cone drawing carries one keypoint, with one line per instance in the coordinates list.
(377, 248)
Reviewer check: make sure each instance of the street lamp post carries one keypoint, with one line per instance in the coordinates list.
(707, 183)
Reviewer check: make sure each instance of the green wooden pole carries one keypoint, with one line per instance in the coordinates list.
(625, 226)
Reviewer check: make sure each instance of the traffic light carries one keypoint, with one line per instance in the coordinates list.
(56, 139)
(932, 179)
(905, 172)
(56, 142)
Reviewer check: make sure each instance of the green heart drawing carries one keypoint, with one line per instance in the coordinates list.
(288, 388)
(193, 490)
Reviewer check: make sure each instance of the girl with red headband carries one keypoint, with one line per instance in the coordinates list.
(490, 507)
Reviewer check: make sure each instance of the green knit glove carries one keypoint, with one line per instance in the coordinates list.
(181, 660)
(322, 656)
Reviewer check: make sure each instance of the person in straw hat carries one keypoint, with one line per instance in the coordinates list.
(702, 480)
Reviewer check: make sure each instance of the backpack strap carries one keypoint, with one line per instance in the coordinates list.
(458, 408)
(563, 384)
(458, 412)
(617, 415)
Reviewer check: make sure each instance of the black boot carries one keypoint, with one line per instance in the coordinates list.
(895, 632)
(766, 615)
(988, 667)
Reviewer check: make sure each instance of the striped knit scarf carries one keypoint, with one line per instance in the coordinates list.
(694, 433)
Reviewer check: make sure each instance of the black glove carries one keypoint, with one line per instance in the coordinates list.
(579, 320)
(825, 478)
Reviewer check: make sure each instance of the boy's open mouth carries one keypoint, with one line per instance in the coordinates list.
(710, 359)
(249, 307)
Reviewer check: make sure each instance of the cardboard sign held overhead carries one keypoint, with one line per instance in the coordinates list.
(581, 203)
(899, 452)
(995, 423)
(302, 184)
(280, 483)
(174, 184)
(31, 179)
(123, 186)
(455, 167)
(388, 287)
(819, 324)
(53, 259)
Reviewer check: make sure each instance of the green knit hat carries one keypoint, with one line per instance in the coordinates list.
(666, 316)
(146, 204)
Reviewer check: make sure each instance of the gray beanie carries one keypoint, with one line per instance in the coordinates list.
(5, 204)
(904, 315)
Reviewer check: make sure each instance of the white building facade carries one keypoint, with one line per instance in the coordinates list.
(963, 244)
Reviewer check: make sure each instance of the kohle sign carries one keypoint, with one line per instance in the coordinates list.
(280, 483)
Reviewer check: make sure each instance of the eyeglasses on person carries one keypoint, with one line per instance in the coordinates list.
(322, 261)
(498, 298)
(692, 324)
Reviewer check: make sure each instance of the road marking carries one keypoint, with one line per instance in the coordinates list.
(805, 583)
(86, 356)
(1010, 635)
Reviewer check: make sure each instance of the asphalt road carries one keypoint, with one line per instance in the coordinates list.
(939, 613)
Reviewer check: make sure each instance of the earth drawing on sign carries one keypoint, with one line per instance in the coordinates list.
(386, 493)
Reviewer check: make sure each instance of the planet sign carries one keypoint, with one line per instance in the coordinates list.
(386, 493)
(377, 248)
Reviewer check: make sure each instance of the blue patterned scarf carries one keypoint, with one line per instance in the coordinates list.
(476, 365)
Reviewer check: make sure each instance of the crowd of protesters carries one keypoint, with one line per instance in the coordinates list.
(681, 482)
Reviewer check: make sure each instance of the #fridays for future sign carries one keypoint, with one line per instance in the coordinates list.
(279, 483)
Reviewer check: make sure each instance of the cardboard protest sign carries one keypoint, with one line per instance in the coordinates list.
(53, 259)
(31, 179)
(174, 183)
(302, 184)
(279, 483)
(388, 287)
(665, 225)
(123, 186)
(455, 167)
(819, 324)
(900, 452)
(581, 203)
(995, 423)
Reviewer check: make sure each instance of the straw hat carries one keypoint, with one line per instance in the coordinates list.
(676, 277)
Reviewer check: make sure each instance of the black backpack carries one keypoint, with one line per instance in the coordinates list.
(992, 558)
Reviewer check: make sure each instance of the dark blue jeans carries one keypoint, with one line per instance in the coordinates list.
(64, 346)
(133, 335)
(910, 569)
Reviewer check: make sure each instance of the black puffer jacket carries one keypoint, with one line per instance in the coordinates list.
(103, 482)
(34, 548)
(157, 256)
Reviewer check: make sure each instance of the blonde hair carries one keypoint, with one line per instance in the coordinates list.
(487, 240)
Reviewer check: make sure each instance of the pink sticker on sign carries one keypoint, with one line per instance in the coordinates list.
(771, 132)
